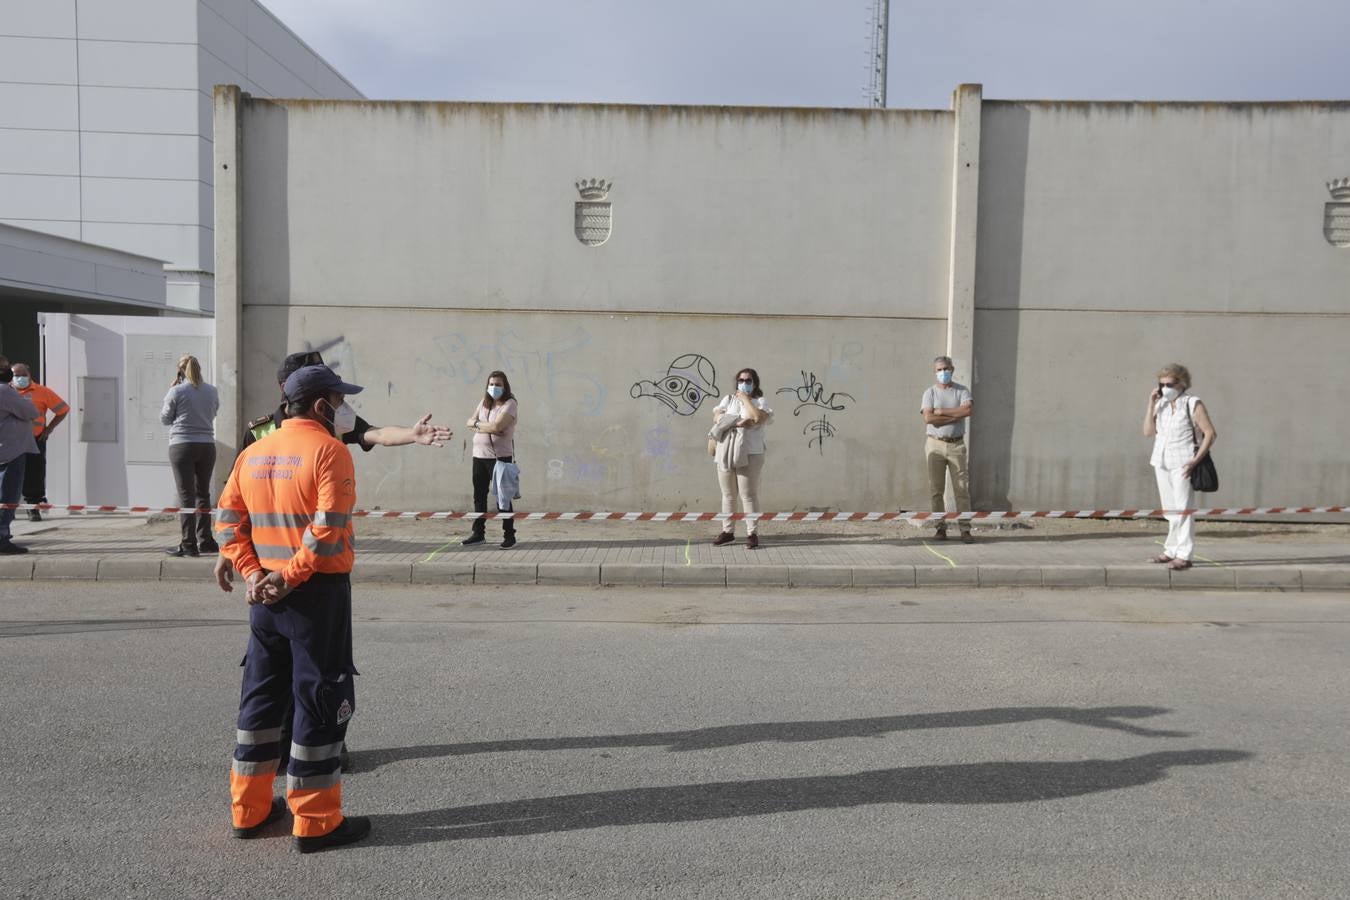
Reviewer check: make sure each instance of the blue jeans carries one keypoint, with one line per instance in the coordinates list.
(11, 483)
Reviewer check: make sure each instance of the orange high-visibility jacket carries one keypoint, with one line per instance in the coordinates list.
(47, 401)
(287, 505)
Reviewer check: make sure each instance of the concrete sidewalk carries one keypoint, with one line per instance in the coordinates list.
(1044, 553)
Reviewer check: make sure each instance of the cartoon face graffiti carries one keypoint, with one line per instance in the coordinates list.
(688, 381)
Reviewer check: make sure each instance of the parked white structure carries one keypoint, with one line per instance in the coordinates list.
(106, 172)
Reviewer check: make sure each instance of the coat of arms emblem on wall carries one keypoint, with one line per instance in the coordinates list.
(1336, 220)
(595, 214)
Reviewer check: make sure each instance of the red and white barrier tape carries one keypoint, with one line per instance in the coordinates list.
(901, 515)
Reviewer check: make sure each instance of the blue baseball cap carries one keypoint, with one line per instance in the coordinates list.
(311, 381)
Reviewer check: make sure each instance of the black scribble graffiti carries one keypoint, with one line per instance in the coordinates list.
(689, 380)
(812, 393)
(823, 431)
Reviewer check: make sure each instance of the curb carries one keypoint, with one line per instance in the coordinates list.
(1209, 578)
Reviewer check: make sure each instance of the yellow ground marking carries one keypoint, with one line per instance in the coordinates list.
(1163, 544)
(949, 560)
(433, 553)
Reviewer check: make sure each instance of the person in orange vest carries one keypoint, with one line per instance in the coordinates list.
(35, 469)
(284, 522)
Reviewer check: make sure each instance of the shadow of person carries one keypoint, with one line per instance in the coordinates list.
(1107, 717)
(963, 784)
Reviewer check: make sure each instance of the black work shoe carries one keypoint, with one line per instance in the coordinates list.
(352, 829)
(275, 813)
(967, 537)
(35, 515)
(752, 542)
(208, 547)
(180, 551)
(725, 537)
(9, 548)
(940, 534)
(473, 539)
(508, 541)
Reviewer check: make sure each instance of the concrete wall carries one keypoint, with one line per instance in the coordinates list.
(105, 119)
(422, 245)
(1114, 238)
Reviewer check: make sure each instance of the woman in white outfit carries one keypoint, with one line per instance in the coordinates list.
(1182, 434)
(752, 414)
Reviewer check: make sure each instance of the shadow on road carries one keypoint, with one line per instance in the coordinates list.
(999, 782)
(1107, 717)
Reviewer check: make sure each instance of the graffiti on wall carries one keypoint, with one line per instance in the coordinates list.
(551, 369)
(811, 395)
(689, 380)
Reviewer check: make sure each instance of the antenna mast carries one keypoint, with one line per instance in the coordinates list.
(880, 27)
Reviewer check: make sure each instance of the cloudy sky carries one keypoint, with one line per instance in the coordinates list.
(815, 52)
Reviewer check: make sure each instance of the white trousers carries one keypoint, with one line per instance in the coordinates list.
(1175, 492)
(746, 483)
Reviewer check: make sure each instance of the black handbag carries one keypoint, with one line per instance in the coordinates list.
(1204, 477)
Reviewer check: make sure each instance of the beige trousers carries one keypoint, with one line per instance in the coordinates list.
(746, 483)
(942, 458)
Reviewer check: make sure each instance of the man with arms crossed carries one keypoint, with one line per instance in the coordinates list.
(945, 407)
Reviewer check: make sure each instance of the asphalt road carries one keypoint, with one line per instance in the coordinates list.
(677, 743)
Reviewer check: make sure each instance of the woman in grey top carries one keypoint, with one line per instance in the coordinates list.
(190, 410)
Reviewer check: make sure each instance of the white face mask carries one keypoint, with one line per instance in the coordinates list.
(344, 419)
(22, 381)
(1170, 394)
(745, 386)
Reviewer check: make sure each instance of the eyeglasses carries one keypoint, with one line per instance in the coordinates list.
(1166, 384)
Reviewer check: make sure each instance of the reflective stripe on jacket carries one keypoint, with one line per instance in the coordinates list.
(287, 505)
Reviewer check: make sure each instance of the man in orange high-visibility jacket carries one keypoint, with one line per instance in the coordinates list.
(284, 522)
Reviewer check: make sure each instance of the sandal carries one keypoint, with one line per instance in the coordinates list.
(1161, 558)
(1179, 564)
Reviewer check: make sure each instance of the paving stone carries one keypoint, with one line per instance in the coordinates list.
(1073, 576)
(372, 571)
(1153, 575)
(645, 574)
(675, 576)
(1009, 576)
(199, 569)
(883, 576)
(442, 573)
(820, 576)
(129, 569)
(16, 568)
(1209, 578)
(569, 573)
(753, 576)
(946, 576)
(1326, 578)
(506, 573)
(49, 567)
(1271, 578)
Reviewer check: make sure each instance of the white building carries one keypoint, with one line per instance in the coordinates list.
(106, 173)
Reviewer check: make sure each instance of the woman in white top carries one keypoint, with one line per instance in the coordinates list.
(1182, 434)
(752, 414)
(494, 439)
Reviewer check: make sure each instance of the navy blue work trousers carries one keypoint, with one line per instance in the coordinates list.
(299, 663)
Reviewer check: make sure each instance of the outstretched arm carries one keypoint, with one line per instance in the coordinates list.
(420, 432)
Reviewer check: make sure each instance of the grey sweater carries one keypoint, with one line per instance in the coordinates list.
(190, 413)
(17, 413)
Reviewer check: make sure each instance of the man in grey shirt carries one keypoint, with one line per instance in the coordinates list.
(945, 407)
(16, 439)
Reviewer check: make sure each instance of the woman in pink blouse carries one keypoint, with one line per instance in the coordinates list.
(494, 429)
